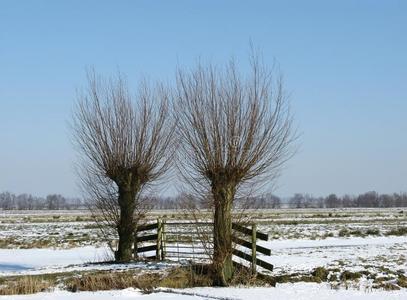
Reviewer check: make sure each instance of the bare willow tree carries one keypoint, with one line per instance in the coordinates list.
(125, 143)
(235, 134)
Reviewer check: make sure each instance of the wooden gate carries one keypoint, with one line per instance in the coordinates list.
(192, 241)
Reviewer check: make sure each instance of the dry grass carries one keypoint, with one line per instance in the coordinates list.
(184, 277)
(178, 277)
(110, 281)
(348, 275)
(400, 231)
(26, 285)
(402, 281)
(181, 277)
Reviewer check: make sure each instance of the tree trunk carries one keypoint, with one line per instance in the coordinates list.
(222, 236)
(126, 224)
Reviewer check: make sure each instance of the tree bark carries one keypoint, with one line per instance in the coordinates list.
(222, 235)
(126, 224)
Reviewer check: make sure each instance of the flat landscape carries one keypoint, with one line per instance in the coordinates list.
(336, 251)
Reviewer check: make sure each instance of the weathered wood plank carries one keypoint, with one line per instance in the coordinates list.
(248, 257)
(147, 248)
(159, 239)
(264, 264)
(145, 238)
(147, 227)
(248, 244)
(254, 250)
(242, 254)
(242, 229)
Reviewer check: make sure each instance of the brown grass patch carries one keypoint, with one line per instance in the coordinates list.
(181, 277)
(185, 277)
(402, 281)
(110, 281)
(400, 231)
(26, 285)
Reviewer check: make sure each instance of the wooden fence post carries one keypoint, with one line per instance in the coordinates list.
(254, 242)
(135, 253)
(163, 239)
(159, 233)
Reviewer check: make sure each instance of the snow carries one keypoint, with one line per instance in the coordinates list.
(22, 260)
(353, 253)
(302, 249)
(287, 255)
(46, 261)
(287, 291)
(335, 242)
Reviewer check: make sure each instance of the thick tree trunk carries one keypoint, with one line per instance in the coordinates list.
(126, 224)
(222, 235)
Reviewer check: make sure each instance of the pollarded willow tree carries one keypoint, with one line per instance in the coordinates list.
(235, 134)
(125, 144)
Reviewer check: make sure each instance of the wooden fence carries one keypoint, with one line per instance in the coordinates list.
(193, 240)
(252, 245)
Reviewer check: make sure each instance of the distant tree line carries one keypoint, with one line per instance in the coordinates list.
(369, 199)
(10, 201)
(270, 201)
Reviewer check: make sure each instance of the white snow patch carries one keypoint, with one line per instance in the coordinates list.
(353, 253)
(46, 261)
(334, 242)
(15, 261)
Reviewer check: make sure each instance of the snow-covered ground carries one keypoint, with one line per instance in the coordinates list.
(297, 291)
(296, 248)
(34, 261)
(288, 256)
(46, 261)
(354, 253)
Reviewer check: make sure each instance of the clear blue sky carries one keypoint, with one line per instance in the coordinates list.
(345, 65)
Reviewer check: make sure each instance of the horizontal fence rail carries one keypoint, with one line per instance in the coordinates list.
(147, 248)
(248, 257)
(248, 231)
(145, 238)
(147, 227)
(244, 243)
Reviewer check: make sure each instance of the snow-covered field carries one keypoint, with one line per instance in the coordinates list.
(365, 241)
(355, 254)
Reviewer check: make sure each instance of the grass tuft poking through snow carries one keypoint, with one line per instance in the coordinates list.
(26, 285)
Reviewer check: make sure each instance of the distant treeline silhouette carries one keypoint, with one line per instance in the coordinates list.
(369, 199)
(270, 201)
(10, 201)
